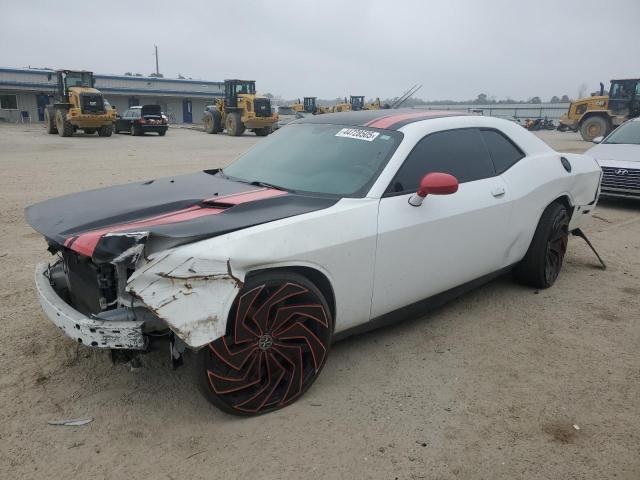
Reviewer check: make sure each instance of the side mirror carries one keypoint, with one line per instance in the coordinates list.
(598, 139)
(435, 183)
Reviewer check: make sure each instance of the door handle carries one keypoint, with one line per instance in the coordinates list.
(498, 191)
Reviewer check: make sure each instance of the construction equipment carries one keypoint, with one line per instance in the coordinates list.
(309, 105)
(78, 105)
(355, 104)
(598, 115)
(240, 109)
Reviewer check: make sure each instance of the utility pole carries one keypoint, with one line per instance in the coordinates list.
(157, 69)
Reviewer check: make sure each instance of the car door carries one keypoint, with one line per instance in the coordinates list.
(448, 240)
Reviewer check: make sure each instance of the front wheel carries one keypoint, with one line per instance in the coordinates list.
(543, 261)
(594, 127)
(234, 125)
(278, 337)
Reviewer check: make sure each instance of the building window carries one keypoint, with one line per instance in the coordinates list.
(9, 102)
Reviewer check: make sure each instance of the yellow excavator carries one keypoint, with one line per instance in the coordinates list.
(78, 106)
(240, 109)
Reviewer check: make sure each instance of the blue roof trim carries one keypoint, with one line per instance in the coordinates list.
(118, 77)
(178, 93)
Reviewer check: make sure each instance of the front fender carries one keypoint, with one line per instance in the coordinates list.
(192, 295)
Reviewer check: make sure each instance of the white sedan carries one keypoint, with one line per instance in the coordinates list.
(336, 224)
(619, 158)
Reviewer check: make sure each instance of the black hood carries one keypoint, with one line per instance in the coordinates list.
(178, 209)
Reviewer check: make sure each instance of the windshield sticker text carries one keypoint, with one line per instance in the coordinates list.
(358, 134)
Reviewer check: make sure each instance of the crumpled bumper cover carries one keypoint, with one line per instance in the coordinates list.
(88, 331)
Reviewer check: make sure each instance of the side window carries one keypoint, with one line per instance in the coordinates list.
(461, 153)
(127, 114)
(503, 151)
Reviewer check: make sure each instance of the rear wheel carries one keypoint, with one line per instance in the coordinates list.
(162, 133)
(134, 131)
(50, 121)
(594, 127)
(542, 264)
(105, 130)
(64, 127)
(234, 125)
(277, 341)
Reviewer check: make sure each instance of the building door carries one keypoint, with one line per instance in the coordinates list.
(42, 100)
(187, 115)
(133, 102)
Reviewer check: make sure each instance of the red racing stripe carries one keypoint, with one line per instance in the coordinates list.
(386, 122)
(85, 243)
(244, 197)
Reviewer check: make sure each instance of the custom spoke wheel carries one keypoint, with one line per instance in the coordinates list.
(277, 341)
(556, 247)
(543, 261)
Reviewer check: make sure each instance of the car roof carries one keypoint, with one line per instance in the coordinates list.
(384, 118)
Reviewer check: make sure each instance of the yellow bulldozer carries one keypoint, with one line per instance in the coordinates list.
(598, 115)
(78, 106)
(240, 109)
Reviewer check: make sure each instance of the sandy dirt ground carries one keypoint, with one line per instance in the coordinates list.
(488, 387)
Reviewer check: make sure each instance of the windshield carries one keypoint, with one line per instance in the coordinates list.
(78, 79)
(318, 158)
(627, 133)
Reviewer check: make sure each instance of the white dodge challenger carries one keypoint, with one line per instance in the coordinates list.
(336, 224)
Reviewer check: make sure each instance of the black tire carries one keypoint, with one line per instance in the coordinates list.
(212, 121)
(162, 133)
(542, 263)
(262, 132)
(105, 130)
(64, 127)
(50, 121)
(134, 131)
(592, 127)
(115, 128)
(278, 338)
(217, 121)
(89, 131)
(234, 125)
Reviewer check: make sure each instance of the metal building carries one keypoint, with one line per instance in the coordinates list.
(24, 93)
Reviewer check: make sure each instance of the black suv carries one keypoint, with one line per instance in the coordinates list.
(139, 120)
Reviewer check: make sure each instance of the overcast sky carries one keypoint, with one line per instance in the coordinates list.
(455, 48)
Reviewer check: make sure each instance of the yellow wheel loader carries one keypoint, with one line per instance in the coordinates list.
(597, 116)
(78, 106)
(240, 109)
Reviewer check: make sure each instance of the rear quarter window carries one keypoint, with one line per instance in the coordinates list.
(503, 151)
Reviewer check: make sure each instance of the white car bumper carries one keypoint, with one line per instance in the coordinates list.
(92, 332)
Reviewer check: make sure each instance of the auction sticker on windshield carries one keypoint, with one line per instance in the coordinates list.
(358, 134)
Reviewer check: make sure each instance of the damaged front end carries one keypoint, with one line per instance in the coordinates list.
(87, 298)
(127, 300)
(125, 274)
